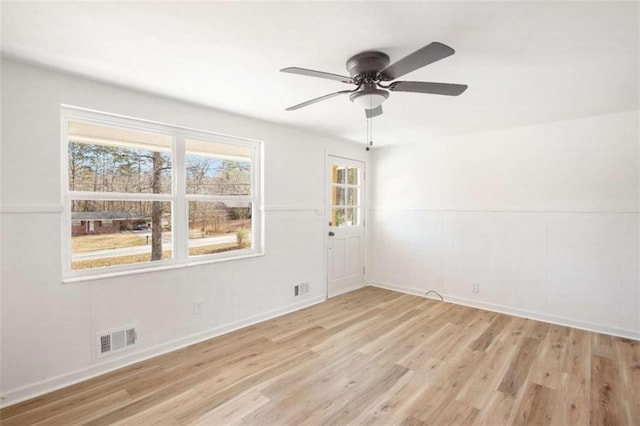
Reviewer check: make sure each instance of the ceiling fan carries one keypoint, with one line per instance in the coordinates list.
(370, 70)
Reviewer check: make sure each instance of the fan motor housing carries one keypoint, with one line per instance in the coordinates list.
(367, 62)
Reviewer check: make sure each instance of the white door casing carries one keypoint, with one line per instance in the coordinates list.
(345, 213)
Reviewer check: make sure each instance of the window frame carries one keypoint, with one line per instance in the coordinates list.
(178, 196)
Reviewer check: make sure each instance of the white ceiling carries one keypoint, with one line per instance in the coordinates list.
(525, 63)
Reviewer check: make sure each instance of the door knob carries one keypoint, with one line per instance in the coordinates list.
(331, 233)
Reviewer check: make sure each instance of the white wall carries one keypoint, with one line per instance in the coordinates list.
(48, 328)
(544, 218)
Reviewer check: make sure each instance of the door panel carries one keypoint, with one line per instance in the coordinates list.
(338, 257)
(345, 244)
(354, 256)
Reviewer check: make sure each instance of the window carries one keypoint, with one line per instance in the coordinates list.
(142, 195)
(345, 196)
(219, 196)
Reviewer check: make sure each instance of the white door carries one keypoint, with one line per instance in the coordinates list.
(345, 241)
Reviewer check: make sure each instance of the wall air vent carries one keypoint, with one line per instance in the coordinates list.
(116, 340)
(300, 289)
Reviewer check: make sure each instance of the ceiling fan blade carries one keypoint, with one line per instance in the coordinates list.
(425, 87)
(321, 98)
(320, 74)
(373, 112)
(430, 53)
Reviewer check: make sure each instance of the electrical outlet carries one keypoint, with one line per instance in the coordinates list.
(475, 288)
(197, 307)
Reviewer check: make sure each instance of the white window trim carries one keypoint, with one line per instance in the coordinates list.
(177, 197)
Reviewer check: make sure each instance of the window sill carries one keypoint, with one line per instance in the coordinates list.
(166, 267)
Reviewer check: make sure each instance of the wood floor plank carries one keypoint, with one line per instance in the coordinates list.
(606, 397)
(311, 376)
(628, 361)
(573, 406)
(356, 318)
(536, 406)
(460, 342)
(314, 394)
(163, 413)
(499, 410)
(75, 412)
(490, 334)
(424, 406)
(487, 376)
(458, 371)
(408, 336)
(371, 356)
(458, 315)
(602, 345)
(80, 393)
(417, 359)
(547, 367)
(389, 407)
(302, 407)
(575, 361)
(214, 395)
(454, 413)
(537, 330)
(360, 401)
(155, 396)
(234, 410)
(518, 370)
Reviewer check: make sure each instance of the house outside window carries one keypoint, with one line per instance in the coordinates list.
(142, 195)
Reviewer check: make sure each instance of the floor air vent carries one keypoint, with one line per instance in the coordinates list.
(116, 340)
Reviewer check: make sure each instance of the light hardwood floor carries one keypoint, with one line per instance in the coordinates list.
(368, 357)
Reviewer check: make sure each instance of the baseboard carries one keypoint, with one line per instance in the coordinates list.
(39, 388)
(553, 319)
(347, 290)
(402, 289)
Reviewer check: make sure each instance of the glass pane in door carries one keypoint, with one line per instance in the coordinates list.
(352, 217)
(352, 176)
(338, 196)
(352, 197)
(339, 217)
(339, 174)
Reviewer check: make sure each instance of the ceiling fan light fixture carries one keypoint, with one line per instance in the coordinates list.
(370, 99)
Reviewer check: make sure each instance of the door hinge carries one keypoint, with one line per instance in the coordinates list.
(363, 269)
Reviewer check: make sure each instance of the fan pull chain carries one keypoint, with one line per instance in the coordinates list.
(369, 133)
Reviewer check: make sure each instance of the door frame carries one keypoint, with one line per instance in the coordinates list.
(326, 217)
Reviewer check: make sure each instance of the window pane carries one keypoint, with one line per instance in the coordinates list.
(352, 176)
(341, 217)
(112, 232)
(216, 227)
(107, 159)
(217, 169)
(338, 174)
(352, 217)
(338, 217)
(338, 196)
(352, 197)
